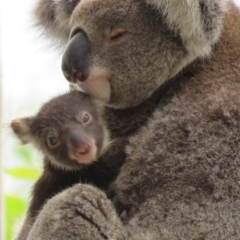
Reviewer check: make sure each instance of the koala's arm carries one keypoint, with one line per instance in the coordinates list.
(84, 212)
(51, 182)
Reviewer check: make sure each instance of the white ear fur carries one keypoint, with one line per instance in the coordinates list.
(53, 21)
(198, 28)
(20, 127)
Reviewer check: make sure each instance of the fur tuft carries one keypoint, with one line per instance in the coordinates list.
(53, 17)
(20, 127)
(198, 22)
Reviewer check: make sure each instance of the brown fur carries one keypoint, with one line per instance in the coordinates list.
(182, 167)
(59, 116)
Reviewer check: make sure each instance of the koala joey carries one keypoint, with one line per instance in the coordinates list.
(81, 140)
(68, 129)
(71, 133)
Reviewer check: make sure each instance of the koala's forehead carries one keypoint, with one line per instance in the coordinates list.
(98, 17)
(67, 105)
(103, 12)
(66, 5)
(62, 111)
(44, 124)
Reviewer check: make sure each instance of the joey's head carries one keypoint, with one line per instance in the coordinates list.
(68, 129)
(121, 51)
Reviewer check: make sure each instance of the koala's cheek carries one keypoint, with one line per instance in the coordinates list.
(99, 89)
(97, 85)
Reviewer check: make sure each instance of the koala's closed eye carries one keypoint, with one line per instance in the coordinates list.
(118, 35)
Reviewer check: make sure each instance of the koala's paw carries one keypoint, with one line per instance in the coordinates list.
(81, 212)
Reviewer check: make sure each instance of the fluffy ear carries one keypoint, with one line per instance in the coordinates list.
(21, 127)
(198, 22)
(53, 17)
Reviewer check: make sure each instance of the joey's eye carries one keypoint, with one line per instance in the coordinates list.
(118, 35)
(86, 117)
(52, 141)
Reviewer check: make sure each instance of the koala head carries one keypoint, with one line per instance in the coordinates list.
(122, 51)
(70, 134)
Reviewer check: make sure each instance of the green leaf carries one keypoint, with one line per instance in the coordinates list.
(23, 173)
(14, 210)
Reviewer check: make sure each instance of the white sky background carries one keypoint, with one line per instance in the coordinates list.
(31, 71)
(31, 74)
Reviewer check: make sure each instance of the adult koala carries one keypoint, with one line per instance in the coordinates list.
(182, 167)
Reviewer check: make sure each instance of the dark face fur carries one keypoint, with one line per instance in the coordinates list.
(68, 129)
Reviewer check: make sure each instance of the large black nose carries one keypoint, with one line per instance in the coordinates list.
(75, 62)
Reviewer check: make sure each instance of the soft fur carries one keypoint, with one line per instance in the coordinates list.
(62, 118)
(182, 167)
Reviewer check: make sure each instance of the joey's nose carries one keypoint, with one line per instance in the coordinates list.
(76, 138)
(75, 62)
(78, 143)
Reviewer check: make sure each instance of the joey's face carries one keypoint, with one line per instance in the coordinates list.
(120, 52)
(67, 129)
(75, 142)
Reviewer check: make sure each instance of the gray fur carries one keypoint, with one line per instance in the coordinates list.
(92, 208)
(182, 167)
(178, 26)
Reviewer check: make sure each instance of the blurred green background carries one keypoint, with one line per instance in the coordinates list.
(26, 173)
(30, 73)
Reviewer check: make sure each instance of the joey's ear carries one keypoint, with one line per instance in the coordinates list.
(21, 127)
(198, 22)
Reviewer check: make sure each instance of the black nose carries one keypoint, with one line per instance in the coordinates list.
(76, 138)
(75, 62)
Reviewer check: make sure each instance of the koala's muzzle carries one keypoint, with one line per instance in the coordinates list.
(75, 58)
(78, 141)
(81, 147)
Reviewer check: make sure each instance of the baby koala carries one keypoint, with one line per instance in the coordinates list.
(68, 129)
(71, 132)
